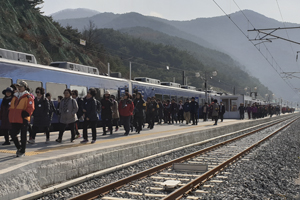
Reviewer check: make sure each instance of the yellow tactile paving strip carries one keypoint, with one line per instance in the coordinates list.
(32, 153)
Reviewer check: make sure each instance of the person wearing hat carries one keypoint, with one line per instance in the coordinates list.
(215, 111)
(5, 125)
(20, 110)
(187, 111)
(106, 112)
(205, 110)
(194, 111)
(126, 111)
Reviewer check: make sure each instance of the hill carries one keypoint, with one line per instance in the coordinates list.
(220, 34)
(74, 13)
(24, 29)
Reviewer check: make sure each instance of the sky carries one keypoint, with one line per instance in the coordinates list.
(183, 9)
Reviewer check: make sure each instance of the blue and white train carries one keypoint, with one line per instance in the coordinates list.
(56, 80)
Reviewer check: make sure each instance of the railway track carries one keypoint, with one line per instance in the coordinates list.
(171, 180)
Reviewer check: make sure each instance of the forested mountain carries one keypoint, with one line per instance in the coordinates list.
(74, 13)
(220, 34)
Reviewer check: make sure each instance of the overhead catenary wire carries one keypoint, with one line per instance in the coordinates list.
(272, 65)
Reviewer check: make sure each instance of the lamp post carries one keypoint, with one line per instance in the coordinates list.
(183, 73)
(214, 73)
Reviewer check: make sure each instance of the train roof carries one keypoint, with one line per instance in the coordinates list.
(59, 69)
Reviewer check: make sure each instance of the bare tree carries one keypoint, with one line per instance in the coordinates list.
(90, 34)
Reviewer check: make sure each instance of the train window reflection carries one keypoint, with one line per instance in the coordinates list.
(32, 85)
(4, 83)
(55, 89)
(82, 91)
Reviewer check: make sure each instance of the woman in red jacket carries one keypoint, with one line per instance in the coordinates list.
(126, 110)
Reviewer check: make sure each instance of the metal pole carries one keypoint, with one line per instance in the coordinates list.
(173, 79)
(129, 70)
(186, 80)
(183, 75)
(108, 69)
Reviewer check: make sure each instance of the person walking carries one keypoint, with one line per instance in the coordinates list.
(90, 115)
(115, 113)
(160, 111)
(242, 111)
(174, 109)
(126, 111)
(106, 112)
(20, 111)
(52, 107)
(215, 111)
(139, 107)
(79, 112)
(249, 111)
(180, 111)
(205, 111)
(167, 109)
(4, 110)
(187, 111)
(194, 111)
(68, 108)
(221, 111)
(41, 120)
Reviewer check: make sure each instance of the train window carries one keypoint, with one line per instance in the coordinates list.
(32, 85)
(71, 67)
(28, 58)
(174, 97)
(158, 96)
(4, 83)
(114, 92)
(55, 89)
(82, 91)
(166, 97)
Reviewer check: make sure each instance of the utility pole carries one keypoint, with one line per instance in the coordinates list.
(108, 69)
(183, 75)
(130, 70)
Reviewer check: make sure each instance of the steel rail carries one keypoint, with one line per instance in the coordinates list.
(179, 193)
(117, 184)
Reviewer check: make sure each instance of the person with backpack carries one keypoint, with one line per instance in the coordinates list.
(68, 108)
(106, 112)
(90, 115)
(115, 113)
(40, 115)
(20, 110)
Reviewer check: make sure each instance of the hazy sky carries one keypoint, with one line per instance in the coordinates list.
(182, 9)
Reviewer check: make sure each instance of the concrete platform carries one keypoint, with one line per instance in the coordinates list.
(48, 164)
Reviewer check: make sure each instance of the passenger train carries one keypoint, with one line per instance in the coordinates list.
(55, 80)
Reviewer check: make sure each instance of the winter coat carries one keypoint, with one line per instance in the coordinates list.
(187, 107)
(21, 103)
(194, 107)
(254, 109)
(215, 110)
(5, 125)
(207, 109)
(152, 107)
(161, 108)
(69, 115)
(242, 109)
(115, 110)
(106, 111)
(41, 113)
(249, 109)
(80, 107)
(222, 110)
(174, 108)
(126, 108)
(52, 110)
(90, 106)
(139, 107)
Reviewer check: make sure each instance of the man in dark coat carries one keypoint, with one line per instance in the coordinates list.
(5, 125)
(221, 111)
(152, 110)
(40, 115)
(242, 111)
(160, 111)
(174, 109)
(90, 115)
(106, 112)
(194, 111)
(139, 107)
(79, 112)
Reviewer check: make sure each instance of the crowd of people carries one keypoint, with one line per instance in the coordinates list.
(20, 109)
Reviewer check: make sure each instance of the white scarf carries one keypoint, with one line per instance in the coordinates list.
(20, 94)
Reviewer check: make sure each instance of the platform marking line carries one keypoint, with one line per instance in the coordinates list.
(41, 151)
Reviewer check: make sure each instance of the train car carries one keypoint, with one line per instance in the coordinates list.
(17, 56)
(167, 92)
(75, 67)
(56, 80)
